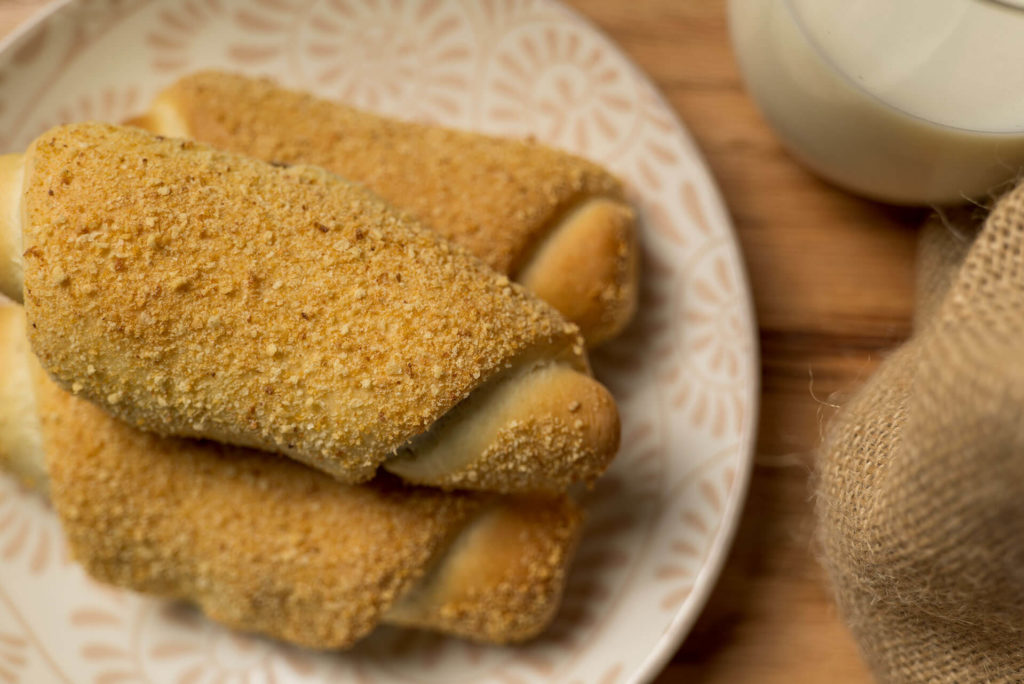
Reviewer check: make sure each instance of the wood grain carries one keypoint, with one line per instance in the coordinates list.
(832, 277)
(832, 280)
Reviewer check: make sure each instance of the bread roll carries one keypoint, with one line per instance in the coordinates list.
(196, 293)
(556, 223)
(21, 449)
(264, 544)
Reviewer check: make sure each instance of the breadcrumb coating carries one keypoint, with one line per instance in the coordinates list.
(502, 199)
(494, 196)
(203, 294)
(264, 544)
(528, 544)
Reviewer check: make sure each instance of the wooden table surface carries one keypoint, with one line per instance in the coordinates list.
(832, 279)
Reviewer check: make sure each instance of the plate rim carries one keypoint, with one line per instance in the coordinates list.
(707, 577)
(36, 17)
(682, 622)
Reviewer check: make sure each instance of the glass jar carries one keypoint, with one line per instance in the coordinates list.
(910, 102)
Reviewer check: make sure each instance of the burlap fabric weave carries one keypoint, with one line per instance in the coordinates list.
(921, 477)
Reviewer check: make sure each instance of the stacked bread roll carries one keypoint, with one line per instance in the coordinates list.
(556, 223)
(262, 389)
(264, 544)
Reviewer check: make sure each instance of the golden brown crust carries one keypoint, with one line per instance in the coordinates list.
(266, 545)
(258, 542)
(588, 270)
(198, 293)
(512, 436)
(498, 198)
(452, 599)
(20, 444)
(263, 544)
(11, 170)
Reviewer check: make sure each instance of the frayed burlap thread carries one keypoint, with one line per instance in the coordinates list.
(921, 477)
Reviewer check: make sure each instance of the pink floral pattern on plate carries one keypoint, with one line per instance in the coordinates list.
(403, 58)
(26, 537)
(177, 31)
(684, 373)
(559, 82)
(12, 657)
(713, 347)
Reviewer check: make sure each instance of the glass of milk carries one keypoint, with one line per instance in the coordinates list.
(905, 101)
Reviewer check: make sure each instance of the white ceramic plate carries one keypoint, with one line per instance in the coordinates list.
(685, 374)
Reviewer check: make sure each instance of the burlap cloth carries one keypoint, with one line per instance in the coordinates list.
(921, 477)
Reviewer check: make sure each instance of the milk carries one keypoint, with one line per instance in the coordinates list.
(906, 101)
